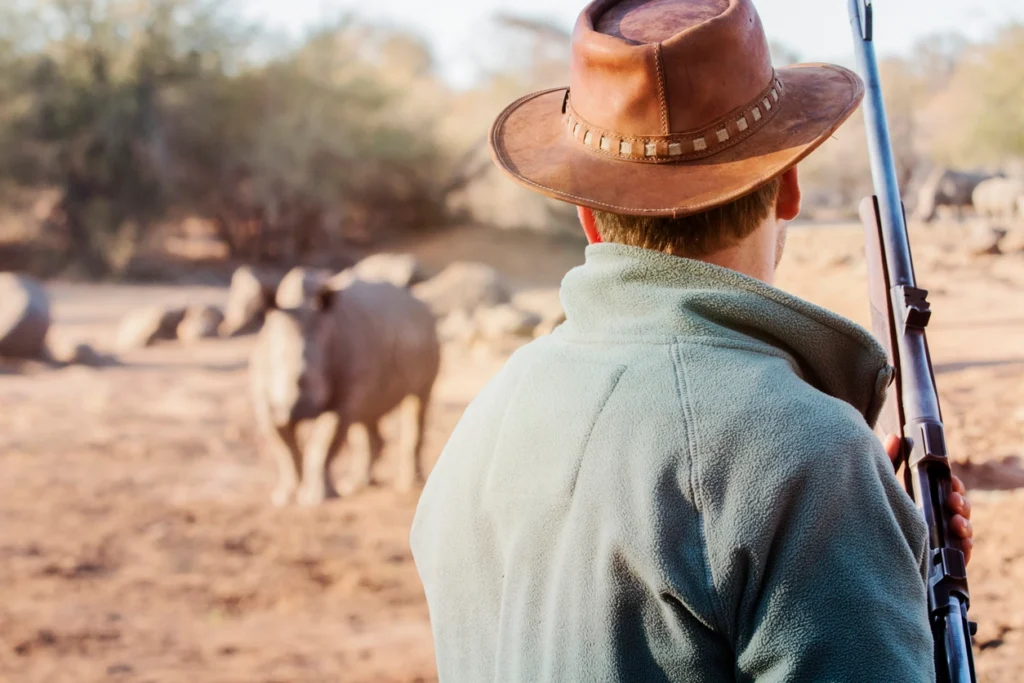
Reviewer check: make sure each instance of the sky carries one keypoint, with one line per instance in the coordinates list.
(817, 30)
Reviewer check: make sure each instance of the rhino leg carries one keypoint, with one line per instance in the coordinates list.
(365, 453)
(283, 445)
(325, 441)
(410, 467)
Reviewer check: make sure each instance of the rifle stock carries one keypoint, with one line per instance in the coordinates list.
(900, 312)
(891, 419)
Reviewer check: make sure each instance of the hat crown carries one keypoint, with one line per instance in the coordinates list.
(649, 68)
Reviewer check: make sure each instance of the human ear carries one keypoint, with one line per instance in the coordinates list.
(787, 206)
(589, 224)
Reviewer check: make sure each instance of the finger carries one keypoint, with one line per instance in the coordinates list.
(892, 446)
(958, 485)
(967, 545)
(959, 504)
(962, 527)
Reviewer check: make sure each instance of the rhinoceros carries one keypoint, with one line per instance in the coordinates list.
(947, 187)
(338, 353)
(998, 197)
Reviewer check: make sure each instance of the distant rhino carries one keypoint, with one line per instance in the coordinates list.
(340, 353)
(999, 197)
(946, 187)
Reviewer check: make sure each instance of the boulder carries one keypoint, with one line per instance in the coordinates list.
(401, 270)
(300, 286)
(1013, 242)
(80, 353)
(146, 326)
(458, 327)
(505, 321)
(546, 327)
(985, 240)
(245, 309)
(463, 285)
(546, 303)
(200, 322)
(24, 317)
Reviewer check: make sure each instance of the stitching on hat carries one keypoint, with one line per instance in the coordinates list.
(661, 89)
(674, 210)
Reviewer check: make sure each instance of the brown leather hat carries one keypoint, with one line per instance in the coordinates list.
(673, 108)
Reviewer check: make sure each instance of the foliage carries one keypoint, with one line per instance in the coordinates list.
(141, 111)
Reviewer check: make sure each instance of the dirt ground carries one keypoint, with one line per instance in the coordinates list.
(137, 542)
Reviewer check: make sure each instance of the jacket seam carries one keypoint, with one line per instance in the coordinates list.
(621, 370)
(683, 392)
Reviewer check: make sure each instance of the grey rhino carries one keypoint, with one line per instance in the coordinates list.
(947, 187)
(341, 352)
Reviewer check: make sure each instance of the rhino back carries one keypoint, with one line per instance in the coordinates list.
(386, 348)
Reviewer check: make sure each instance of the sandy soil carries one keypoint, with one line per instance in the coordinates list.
(137, 543)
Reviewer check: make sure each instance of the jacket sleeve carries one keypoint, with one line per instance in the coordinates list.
(822, 567)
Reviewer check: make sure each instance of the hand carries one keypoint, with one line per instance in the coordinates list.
(958, 503)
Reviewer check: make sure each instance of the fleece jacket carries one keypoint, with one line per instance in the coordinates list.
(681, 483)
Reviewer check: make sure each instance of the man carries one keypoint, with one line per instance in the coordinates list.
(681, 483)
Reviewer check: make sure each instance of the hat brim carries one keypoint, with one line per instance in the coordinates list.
(530, 142)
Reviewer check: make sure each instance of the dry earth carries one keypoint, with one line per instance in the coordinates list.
(137, 543)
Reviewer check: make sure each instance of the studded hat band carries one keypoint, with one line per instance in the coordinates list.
(722, 134)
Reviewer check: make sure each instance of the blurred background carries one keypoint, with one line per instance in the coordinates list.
(159, 157)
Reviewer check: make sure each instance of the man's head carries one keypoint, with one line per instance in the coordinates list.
(675, 115)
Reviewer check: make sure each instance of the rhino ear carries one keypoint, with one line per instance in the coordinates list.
(325, 298)
(269, 298)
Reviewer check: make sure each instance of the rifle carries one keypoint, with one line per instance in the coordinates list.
(899, 315)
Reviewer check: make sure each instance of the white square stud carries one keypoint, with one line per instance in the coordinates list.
(651, 149)
(626, 147)
(674, 149)
(700, 144)
(767, 104)
(588, 138)
(757, 114)
(723, 135)
(576, 130)
(741, 123)
(606, 144)
(775, 94)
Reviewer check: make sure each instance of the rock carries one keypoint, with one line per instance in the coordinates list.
(245, 309)
(146, 326)
(458, 327)
(985, 240)
(200, 322)
(1013, 242)
(462, 285)
(505, 320)
(546, 303)
(80, 353)
(24, 317)
(300, 286)
(839, 260)
(401, 270)
(547, 327)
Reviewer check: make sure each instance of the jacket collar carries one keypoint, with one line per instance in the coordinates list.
(627, 293)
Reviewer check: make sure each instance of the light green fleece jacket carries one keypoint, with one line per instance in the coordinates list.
(680, 484)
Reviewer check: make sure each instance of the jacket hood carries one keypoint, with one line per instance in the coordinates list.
(624, 293)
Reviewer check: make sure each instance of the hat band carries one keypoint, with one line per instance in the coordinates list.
(720, 135)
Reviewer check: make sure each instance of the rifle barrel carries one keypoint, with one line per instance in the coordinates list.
(928, 471)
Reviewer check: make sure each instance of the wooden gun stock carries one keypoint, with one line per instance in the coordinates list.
(891, 420)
